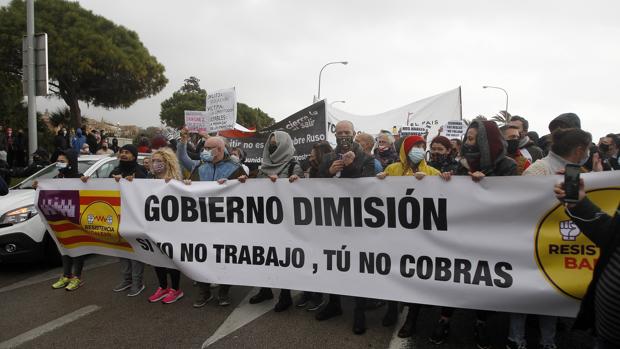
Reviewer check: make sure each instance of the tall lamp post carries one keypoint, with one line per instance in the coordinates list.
(318, 96)
(499, 88)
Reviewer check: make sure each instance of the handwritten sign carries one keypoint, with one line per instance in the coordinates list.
(196, 121)
(222, 110)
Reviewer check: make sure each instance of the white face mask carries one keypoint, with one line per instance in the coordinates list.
(206, 155)
(416, 155)
(61, 165)
(234, 158)
(585, 158)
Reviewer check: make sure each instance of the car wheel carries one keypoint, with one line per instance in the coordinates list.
(50, 253)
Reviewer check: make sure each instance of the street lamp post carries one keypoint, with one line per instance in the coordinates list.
(499, 88)
(321, 72)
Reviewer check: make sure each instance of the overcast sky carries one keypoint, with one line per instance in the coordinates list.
(551, 56)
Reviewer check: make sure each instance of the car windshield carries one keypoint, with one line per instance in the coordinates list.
(50, 172)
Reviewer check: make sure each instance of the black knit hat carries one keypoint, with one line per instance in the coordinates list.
(131, 148)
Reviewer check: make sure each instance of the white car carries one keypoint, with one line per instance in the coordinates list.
(23, 236)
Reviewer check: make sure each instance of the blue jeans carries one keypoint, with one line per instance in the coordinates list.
(547, 328)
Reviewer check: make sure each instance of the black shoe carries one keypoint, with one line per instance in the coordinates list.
(440, 332)
(408, 328)
(315, 302)
(513, 345)
(481, 336)
(283, 304)
(359, 322)
(264, 294)
(330, 311)
(391, 316)
(303, 301)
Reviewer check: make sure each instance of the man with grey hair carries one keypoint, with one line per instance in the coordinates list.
(347, 161)
(214, 165)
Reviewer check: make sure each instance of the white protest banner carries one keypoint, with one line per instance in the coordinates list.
(222, 110)
(430, 113)
(196, 121)
(412, 130)
(454, 129)
(496, 245)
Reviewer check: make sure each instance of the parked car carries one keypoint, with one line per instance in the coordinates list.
(23, 236)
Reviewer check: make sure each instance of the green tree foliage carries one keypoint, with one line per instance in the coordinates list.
(91, 59)
(191, 97)
(12, 110)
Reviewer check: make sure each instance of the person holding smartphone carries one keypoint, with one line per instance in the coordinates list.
(600, 305)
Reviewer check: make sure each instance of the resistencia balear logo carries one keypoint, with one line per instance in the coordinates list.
(563, 253)
(100, 221)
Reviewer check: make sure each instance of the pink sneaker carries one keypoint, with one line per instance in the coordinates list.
(173, 296)
(160, 294)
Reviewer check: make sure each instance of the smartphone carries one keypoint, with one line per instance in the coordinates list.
(338, 156)
(571, 183)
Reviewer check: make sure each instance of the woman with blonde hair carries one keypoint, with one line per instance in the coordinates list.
(165, 165)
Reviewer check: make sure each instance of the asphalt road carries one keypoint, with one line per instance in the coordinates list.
(35, 316)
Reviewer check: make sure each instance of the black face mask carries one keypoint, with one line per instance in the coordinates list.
(513, 146)
(470, 149)
(604, 148)
(345, 143)
(272, 148)
(440, 157)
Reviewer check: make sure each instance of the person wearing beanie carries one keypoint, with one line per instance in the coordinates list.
(131, 270)
(442, 157)
(412, 163)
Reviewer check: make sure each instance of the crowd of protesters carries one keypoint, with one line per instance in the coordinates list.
(485, 150)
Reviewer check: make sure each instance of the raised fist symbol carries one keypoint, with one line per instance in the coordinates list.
(91, 219)
(569, 230)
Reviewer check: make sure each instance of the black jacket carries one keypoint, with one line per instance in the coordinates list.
(503, 167)
(604, 231)
(131, 169)
(4, 188)
(362, 166)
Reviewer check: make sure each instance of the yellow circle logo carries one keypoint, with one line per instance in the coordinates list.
(563, 253)
(101, 221)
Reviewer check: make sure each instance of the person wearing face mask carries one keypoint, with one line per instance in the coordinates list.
(385, 151)
(165, 165)
(527, 147)
(347, 161)
(114, 146)
(483, 154)
(511, 135)
(132, 271)
(278, 162)
(412, 163)
(238, 155)
(609, 147)
(569, 146)
(442, 155)
(71, 278)
(214, 165)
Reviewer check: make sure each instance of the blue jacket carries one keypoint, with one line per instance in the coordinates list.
(208, 171)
